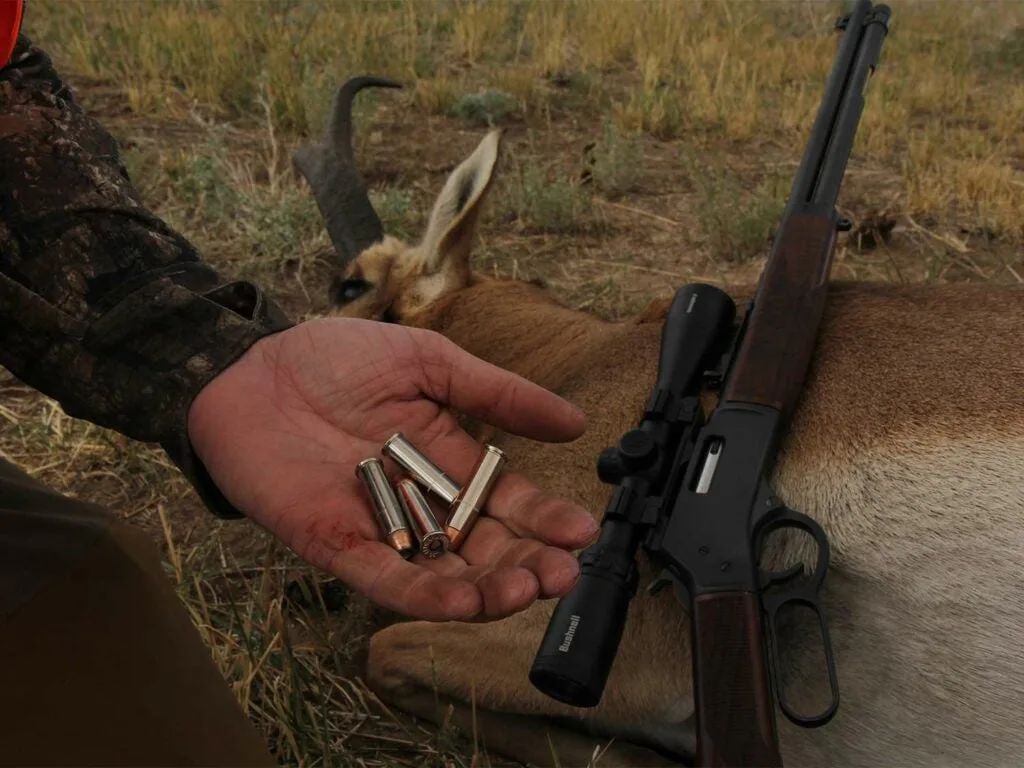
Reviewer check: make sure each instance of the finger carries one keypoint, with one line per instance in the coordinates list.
(492, 545)
(529, 512)
(504, 590)
(498, 397)
(491, 542)
(377, 571)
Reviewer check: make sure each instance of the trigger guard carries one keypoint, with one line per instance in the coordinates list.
(784, 517)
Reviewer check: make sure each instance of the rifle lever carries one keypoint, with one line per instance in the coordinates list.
(804, 595)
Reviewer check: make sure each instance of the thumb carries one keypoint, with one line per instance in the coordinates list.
(454, 377)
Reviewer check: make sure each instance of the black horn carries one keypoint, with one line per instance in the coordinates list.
(329, 168)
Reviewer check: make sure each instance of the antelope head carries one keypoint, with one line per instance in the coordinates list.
(379, 276)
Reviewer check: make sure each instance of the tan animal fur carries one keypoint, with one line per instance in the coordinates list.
(907, 447)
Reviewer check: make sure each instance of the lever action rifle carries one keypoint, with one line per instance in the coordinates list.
(697, 494)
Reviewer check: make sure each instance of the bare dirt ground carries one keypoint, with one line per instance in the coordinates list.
(646, 145)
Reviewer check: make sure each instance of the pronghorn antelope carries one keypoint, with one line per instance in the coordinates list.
(907, 447)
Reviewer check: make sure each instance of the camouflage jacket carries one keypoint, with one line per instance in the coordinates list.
(103, 307)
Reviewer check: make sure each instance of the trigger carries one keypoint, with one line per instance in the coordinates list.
(658, 585)
(771, 579)
(666, 579)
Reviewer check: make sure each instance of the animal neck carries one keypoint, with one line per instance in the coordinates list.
(515, 325)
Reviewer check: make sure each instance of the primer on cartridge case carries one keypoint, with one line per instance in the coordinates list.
(388, 510)
(409, 458)
(431, 536)
(471, 499)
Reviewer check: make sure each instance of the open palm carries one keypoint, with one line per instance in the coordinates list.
(281, 432)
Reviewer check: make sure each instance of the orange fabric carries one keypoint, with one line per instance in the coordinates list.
(10, 26)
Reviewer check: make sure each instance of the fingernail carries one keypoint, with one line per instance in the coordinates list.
(589, 527)
(575, 579)
(576, 575)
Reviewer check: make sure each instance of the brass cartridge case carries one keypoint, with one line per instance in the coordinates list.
(471, 499)
(431, 536)
(409, 458)
(388, 510)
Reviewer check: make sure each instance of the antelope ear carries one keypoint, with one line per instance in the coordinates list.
(448, 243)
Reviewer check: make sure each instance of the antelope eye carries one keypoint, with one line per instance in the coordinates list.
(349, 290)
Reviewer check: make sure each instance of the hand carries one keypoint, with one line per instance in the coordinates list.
(282, 429)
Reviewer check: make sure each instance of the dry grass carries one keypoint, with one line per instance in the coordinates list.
(944, 111)
(649, 143)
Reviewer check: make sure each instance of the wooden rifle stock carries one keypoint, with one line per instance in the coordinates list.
(782, 330)
(735, 710)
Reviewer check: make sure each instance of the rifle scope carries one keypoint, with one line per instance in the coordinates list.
(583, 635)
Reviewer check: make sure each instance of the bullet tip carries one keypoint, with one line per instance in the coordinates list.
(402, 541)
(455, 538)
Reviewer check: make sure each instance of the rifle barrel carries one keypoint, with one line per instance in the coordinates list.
(834, 162)
(807, 174)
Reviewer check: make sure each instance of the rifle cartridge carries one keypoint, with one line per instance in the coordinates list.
(432, 538)
(471, 499)
(412, 460)
(388, 510)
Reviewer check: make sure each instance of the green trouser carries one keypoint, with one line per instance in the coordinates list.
(99, 662)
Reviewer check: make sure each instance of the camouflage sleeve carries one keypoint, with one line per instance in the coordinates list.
(103, 307)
